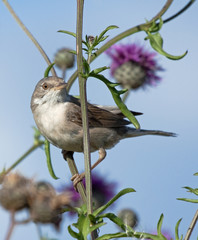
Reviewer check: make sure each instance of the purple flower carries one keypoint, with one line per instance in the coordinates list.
(133, 66)
(103, 191)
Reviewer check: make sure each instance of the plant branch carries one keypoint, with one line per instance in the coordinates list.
(162, 11)
(191, 227)
(28, 33)
(83, 98)
(30, 150)
(68, 156)
(138, 28)
(180, 12)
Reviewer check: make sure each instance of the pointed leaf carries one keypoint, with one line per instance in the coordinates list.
(96, 226)
(106, 30)
(98, 70)
(49, 162)
(120, 194)
(195, 174)
(115, 219)
(188, 200)
(72, 51)
(156, 42)
(46, 74)
(86, 227)
(156, 26)
(68, 32)
(116, 96)
(86, 68)
(159, 225)
(192, 190)
(177, 230)
(73, 233)
(112, 236)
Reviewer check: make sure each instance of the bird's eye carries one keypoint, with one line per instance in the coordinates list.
(45, 86)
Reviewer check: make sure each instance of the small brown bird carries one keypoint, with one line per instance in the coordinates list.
(58, 117)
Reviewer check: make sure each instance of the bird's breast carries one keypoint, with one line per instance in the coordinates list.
(52, 123)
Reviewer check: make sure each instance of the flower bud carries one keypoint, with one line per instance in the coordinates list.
(64, 59)
(15, 191)
(129, 217)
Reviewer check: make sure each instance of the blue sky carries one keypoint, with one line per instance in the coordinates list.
(156, 167)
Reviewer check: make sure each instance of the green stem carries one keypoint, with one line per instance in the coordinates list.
(138, 28)
(30, 150)
(28, 33)
(83, 98)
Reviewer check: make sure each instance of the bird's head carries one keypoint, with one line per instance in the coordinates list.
(49, 90)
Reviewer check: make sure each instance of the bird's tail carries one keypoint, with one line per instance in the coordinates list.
(132, 132)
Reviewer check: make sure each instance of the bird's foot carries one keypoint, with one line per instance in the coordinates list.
(76, 178)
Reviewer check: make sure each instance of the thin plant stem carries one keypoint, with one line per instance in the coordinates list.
(138, 28)
(73, 169)
(11, 227)
(28, 33)
(191, 227)
(13, 224)
(180, 12)
(30, 150)
(83, 98)
(162, 11)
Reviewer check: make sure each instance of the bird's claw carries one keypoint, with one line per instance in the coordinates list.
(76, 178)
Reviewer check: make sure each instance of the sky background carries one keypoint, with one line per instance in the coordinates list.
(156, 167)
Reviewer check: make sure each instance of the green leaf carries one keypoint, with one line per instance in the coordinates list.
(106, 30)
(73, 233)
(188, 200)
(116, 96)
(96, 226)
(112, 236)
(177, 230)
(49, 163)
(120, 194)
(159, 225)
(46, 74)
(86, 68)
(155, 27)
(101, 69)
(116, 220)
(156, 42)
(195, 174)
(68, 32)
(192, 190)
(73, 52)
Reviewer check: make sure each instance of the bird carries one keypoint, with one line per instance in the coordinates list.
(58, 117)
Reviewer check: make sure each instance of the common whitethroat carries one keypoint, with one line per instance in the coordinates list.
(58, 117)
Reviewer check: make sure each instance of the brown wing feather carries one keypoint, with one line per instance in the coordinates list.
(98, 117)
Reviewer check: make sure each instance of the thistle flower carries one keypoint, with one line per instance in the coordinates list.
(46, 206)
(103, 191)
(129, 217)
(133, 66)
(64, 59)
(15, 191)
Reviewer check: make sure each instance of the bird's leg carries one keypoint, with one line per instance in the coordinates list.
(68, 156)
(76, 178)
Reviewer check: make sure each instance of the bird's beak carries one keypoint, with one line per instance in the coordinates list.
(60, 86)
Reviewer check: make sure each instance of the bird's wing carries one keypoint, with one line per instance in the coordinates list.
(116, 110)
(98, 117)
